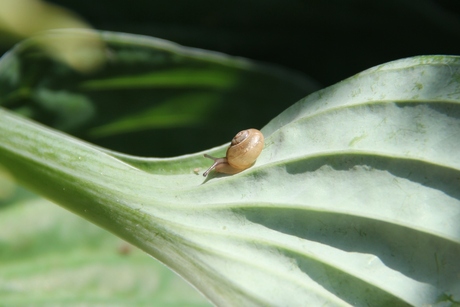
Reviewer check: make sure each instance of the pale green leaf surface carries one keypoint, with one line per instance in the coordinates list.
(354, 200)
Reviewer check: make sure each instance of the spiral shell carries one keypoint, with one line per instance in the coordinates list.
(245, 148)
(243, 152)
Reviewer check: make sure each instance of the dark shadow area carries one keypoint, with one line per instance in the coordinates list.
(444, 179)
(450, 109)
(328, 40)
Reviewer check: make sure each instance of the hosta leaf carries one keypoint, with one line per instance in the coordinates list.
(354, 200)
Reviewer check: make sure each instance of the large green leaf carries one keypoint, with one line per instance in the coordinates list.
(355, 199)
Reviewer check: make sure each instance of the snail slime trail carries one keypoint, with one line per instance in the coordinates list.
(242, 153)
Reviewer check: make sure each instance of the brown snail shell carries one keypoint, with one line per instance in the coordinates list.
(242, 153)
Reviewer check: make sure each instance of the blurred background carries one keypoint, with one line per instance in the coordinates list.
(327, 40)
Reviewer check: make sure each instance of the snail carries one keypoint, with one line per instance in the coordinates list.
(246, 146)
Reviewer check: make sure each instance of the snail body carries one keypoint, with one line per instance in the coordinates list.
(243, 152)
